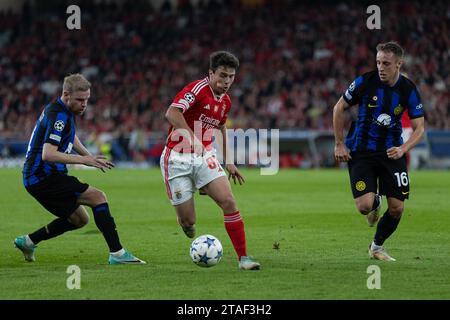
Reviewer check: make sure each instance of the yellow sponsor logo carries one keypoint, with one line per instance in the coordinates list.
(360, 185)
(372, 105)
(405, 193)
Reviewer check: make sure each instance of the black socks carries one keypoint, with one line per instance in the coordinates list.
(105, 223)
(386, 226)
(53, 229)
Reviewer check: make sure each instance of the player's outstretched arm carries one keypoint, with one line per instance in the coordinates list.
(418, 126)
(79, 147)
(234, 173)
(50, 153)
(340, 150)
(231, 168)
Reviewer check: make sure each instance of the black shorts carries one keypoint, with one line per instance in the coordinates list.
(58, 194)
(370, 170)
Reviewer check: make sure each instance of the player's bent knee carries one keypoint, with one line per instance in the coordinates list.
(79, 221)
(101, 196)
(187, 222)
(79, 218)
(396, 211)
(84, 220)
(364, 204)
(92, 197)
(364, 208)
(79, 224)
(98, 197)
(228, 204)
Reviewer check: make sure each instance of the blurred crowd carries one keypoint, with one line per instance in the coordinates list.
(296, 60)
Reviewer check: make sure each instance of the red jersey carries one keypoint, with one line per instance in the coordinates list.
(201, 109)
(406, 122)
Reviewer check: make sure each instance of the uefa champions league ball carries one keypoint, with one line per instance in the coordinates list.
(206, 251)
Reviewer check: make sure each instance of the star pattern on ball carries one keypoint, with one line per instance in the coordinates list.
(204, 258)
(219, 254)
(209, 241)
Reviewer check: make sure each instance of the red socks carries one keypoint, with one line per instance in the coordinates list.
(236, 232)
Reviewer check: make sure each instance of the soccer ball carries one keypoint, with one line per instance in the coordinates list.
(206, 251)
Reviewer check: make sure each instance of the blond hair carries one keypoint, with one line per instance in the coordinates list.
(76, 82)
(393, 47)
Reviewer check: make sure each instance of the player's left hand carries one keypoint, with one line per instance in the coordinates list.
(105, 163)
(395, 153)
(235, 174)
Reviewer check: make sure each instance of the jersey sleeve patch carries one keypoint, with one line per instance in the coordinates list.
(189, 97)
(415, 107)
(184, 100)
(55, 128)
(55, 137)
(59, 125)
(352, 94)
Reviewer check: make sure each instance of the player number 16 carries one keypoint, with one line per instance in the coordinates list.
(402, 178)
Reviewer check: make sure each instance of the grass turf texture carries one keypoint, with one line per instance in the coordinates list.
(322, 251)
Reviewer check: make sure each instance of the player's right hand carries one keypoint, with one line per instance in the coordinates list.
(341, 153)
(99, 162)
(235, 174)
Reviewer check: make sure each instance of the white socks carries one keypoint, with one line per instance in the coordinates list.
(374, 247)
(118, 253)
(28, 241)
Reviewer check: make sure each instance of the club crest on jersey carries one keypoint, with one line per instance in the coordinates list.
(207, 107)
(59, 125)
(398, 109)
(189, 97)
(360, 185)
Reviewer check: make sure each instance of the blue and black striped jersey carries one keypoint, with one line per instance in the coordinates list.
(56, 125)
(378, 125)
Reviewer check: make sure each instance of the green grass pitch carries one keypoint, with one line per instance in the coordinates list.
(322, 240)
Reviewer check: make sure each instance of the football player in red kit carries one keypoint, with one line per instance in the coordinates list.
(189, 162)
